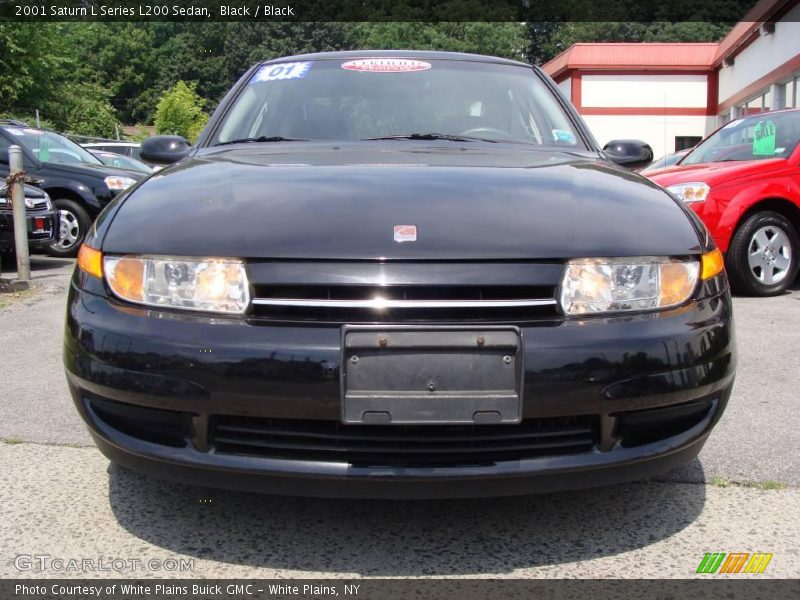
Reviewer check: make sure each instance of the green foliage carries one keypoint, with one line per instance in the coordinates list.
(87, 111)
(33, 58)
(120, 58)
(180, 112)
(497, 39)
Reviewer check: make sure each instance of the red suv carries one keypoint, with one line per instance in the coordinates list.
(744, 182)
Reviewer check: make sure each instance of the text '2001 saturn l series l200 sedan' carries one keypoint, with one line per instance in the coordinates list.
(398, 275)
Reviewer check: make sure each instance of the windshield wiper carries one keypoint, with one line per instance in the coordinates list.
(431, 136)
(263, 138)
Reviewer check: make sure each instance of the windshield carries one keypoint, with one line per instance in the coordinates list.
(51, 147)
(123, 162)
(665, 161)
(767, 135)
(377, 97)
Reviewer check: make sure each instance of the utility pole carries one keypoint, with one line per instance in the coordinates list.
(38, 124)
(20, 217)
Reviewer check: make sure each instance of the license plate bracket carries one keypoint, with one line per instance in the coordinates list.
(431, 375)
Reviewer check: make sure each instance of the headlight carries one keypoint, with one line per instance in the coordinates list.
(205, 284)
(690, 192)
(119, 183)
(597, 285)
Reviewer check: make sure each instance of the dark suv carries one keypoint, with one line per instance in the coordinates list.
(79, 184)
(41, 219)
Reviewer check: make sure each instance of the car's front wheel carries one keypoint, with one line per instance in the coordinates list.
(763, 255)
(73, 223)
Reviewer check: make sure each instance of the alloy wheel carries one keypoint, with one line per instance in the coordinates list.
(769, 255)
(69, 230)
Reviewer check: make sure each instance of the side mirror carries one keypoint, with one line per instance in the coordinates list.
(633, 154)
(165, 149)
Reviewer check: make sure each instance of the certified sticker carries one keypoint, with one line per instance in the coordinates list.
(405, 233)
(386, 65)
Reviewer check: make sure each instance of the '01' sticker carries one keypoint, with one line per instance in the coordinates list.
(293, 70)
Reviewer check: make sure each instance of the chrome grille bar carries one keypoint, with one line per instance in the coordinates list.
(384, 303)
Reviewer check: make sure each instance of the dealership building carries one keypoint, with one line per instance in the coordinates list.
(673, 94)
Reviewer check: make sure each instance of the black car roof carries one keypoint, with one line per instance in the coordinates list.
(419, 54)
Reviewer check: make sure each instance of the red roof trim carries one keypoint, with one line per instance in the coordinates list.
(632, 56)
(656, 56)
(669, 111)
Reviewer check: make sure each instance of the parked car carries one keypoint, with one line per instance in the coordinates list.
(120, 161)
(41, 216)
(79, 184)
(665, 161)
(132, 149)
(743, 181)
(398, 274)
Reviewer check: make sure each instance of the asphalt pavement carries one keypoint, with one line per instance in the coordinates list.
(60, 497)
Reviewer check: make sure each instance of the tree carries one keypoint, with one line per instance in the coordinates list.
(87, 111)
(119, 58)
(498, 39)
(180, 112)
(32, 60)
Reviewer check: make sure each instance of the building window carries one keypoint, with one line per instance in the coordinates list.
(755, 105)
(684, 142)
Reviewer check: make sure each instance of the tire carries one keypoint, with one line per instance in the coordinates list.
(73, 224)
(763, 256)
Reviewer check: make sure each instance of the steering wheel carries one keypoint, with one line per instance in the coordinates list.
(480, 131)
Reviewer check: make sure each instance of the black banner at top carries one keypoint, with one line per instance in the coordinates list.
(376, 10)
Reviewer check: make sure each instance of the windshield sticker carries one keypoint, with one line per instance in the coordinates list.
(560, 135)
(44, 149)
(16, 131)
(295, 70)
(32, 131)
(386, 65)
(733, 123)
(764, 139)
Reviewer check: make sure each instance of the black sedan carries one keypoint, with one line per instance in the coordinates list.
(41, 219)
(398, 274)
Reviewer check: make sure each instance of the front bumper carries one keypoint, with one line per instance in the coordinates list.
(650, 387)
(42, 227)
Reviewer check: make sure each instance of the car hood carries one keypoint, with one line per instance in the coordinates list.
(716, 172)
(29, 190)
(314, 201)
(99, 171)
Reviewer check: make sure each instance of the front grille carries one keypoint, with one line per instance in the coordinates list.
(38, 204)
(376, 445)
(393, 303)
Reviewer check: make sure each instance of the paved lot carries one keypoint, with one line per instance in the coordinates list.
(62, 498)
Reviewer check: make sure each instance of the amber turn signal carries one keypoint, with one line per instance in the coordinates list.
(90, 260)
(712, 264)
